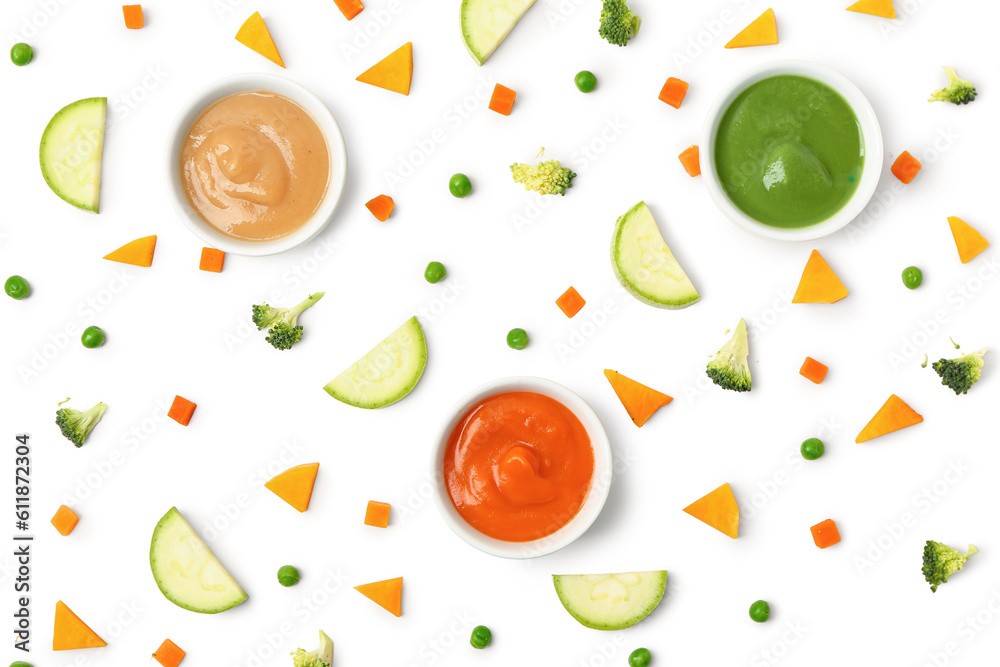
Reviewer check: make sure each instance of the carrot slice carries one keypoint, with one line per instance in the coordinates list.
(819, 284)
(387, 594)
(169, 654)
(762, 32)
(894, 415)
(881, 8)
(295, 485)
(138, 252)
(825, 533)
(813, 371)
(133, 16)
(906, 167)
(719, 510)
(503, 99)
(377, 514)
(65, 520)
(691, 160)
(69, 632)
(570, 302)
(381, 207)
(212, 260)
(673, 92)
(968, 241)
(394, 72)
(640, 401)
(350, 8)
(254, 35)
(181, 410)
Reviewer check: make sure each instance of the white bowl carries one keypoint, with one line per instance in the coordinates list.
(241, 83)
(596, 497)
(870, 129)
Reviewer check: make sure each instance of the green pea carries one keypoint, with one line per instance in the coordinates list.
(21, 54)
(288, 575)
(812, 449)
(92, 337)
(639, 658)
(435, 272)
(19, 663)
(517, 339)
(17, 287)
(460, 185)
(760, 611)
(585, 81)
(912, 277)
(481, 637)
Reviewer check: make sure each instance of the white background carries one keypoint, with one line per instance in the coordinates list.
(173, 329)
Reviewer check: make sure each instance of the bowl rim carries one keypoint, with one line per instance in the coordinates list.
(218, 89)
(599, 489)
(870, 128)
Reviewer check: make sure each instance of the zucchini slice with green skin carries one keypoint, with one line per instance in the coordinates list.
(486, 23)
(71, 151)
(387, 373)
(611, 601)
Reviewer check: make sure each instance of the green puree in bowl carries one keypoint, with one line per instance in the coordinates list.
(789, 151)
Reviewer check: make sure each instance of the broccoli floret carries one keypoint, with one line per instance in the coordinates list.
(545, 178)
(941, 561)
(958, 91)
(619, 24)
(961, 373)
(285, 331)
(729, 368)
(321, 657)
(76, 425)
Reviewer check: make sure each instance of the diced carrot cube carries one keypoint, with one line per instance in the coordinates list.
(825, 534)
(133, 16)
(673, 92)
(377, 514)
(181, 410)
(905, 167)
(570, 302)
(350, 8)
(813, 370)
(169, 654)
(381, 207)
(212, 260)
(691, 159)
(65, 520)
(503, 99)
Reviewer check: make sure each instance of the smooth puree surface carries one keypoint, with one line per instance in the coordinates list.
(255, 166)
(789, 151)
(519, 466)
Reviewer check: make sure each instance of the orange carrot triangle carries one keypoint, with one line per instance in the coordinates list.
(69, 632)
(819, 284)
(968, 241)
(387, 594)
(394, 72)
(894, 415)
(719, 510)
(137, 253)
(881, 8)
(295, 485)
(640, 401)
(762, 32)
(254, 35)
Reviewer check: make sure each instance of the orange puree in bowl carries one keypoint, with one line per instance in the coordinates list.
(255, 166)
(518, 466)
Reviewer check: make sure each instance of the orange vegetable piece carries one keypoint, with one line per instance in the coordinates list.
(813, 370)
(169, 654)
(819, 284)
(640, 401)
(295, 485)
(350, 8)
(570, 302)
(691, 160)
(212, 259)
(181, 410)
(69, 632)
(394, 72)
(138, 252)
(719, 510)
(825, 533)
(673, 92)
(503, 99)
(65, 520)
(881, 8)
(254, 35)
(133, 16)
(387, 594)
(968, 241)
(762, 32)
(905, 167)
(894, 415)
(377, 514)
(381, 207)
